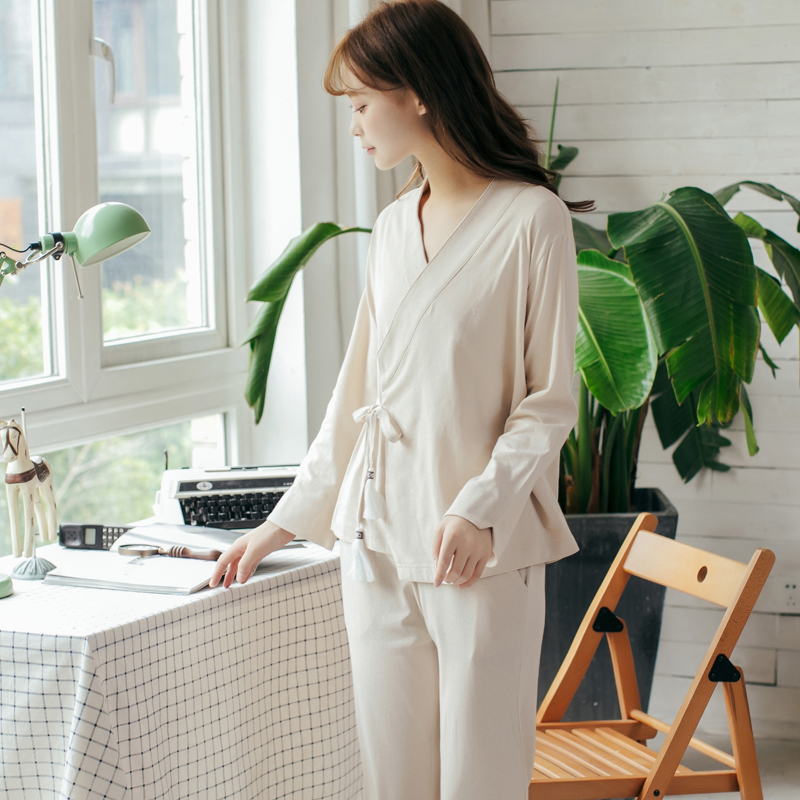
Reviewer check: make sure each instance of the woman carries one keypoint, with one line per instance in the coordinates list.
(436, 465)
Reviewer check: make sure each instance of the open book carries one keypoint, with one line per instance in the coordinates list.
(110, 570)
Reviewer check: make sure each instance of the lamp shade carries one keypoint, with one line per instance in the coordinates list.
(106, 230)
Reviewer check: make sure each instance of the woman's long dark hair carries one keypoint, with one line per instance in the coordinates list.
(425, 46)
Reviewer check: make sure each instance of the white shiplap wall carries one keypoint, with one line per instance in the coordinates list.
(658, 96)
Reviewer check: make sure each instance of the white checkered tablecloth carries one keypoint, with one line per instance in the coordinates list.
(240, 693)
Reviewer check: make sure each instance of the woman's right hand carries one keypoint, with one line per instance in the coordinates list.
(242, 557)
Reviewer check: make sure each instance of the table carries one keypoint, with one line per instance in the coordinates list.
(241, 693)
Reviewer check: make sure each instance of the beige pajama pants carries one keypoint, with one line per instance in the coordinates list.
(444, 682)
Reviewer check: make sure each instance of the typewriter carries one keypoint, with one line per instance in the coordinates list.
(230, 497)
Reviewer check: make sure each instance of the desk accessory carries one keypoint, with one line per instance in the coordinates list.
(176, 551)
(83, 536)
(102, 232)
(27, 477)
(99, 569)
(227, 498)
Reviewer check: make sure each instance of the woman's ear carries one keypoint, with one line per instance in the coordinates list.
(419, 106)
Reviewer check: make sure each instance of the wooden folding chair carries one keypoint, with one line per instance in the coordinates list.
(609, 759)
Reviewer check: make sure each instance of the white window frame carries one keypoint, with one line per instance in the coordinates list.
(104, 390)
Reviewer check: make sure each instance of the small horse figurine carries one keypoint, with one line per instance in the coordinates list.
(29, 477)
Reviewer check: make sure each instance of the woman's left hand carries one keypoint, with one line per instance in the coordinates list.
(468, 547)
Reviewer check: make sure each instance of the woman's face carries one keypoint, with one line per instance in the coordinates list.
(391, 125)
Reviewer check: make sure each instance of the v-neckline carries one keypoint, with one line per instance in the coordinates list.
(421, 242)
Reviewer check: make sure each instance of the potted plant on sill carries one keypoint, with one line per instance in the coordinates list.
(669, 321)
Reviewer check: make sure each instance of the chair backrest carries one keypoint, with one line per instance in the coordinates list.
(687, 569)
(727, 583)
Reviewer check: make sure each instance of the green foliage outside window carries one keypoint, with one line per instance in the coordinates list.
(21, 349)
(130, 307)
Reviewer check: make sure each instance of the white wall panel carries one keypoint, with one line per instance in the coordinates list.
(686, 158)
(690, 120)
(715, 82)
(612, 50)
(557, 16)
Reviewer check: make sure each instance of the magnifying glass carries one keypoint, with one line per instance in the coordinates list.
(177, 551)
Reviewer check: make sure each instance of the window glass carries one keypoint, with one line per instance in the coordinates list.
(23, 353)
(147, 151)
(114, 481)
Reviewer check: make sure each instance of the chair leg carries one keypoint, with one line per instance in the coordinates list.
(744, 748)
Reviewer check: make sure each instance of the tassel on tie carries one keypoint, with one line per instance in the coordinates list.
(378, 421)
(374, 504)
(360, 569)
(375, 417)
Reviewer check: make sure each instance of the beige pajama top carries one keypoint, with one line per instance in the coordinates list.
(456, 386)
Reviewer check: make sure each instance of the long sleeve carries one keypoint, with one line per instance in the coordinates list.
(306, 509)
(537, 428)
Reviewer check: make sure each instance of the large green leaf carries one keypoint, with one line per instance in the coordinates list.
(779, 312)
(615, 350)
(272, 289)
(262, 340)
(275, 282)
(694, 271)
(589, 238)
(725, 194)
(699, 445)
(565, 156)
(747, 413)
(785, 258)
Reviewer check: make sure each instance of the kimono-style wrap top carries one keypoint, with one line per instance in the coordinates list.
(455, 391)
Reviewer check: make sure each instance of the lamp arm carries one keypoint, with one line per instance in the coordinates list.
(56, 251)
(11, 266)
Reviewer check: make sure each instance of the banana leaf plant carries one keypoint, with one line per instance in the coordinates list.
(272, 289)
(698, 293)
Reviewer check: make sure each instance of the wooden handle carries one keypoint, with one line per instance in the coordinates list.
(179, 551)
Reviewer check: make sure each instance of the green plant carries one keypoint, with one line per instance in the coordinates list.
(686, 267)
(272, 289)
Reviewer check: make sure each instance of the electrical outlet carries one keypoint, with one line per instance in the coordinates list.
(781, 595)
(790, 597)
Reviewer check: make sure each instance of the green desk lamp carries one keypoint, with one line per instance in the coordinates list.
(104, 231)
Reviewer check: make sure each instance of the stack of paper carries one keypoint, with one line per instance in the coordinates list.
(110, 570)
(102, 570)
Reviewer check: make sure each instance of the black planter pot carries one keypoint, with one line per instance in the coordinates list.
(571, 587)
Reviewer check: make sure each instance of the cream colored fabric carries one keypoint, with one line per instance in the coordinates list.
(467, 363)
(444, 682)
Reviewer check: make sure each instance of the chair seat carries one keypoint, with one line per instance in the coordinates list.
(601, 764)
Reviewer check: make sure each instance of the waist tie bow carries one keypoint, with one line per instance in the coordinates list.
(373, 503)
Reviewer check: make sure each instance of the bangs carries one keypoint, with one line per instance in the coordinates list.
(351, 54)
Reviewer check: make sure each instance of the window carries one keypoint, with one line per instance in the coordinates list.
(114, 481)
(24, 353)
(149, 144)
(152, 341)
